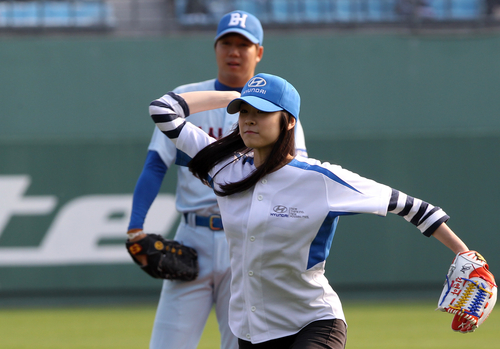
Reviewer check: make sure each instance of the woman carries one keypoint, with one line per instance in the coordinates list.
(280, 212)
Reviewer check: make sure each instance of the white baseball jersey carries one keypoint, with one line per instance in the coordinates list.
(280, 232)
(191, 194)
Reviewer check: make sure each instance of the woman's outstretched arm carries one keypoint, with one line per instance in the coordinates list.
(169, 112)
(199, 101)
(448, 238)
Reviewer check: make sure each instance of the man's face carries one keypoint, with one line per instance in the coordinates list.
(236, 58)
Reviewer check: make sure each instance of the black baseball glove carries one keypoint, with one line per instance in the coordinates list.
(167, 259)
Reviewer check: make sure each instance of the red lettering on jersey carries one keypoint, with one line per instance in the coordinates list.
(212, 134)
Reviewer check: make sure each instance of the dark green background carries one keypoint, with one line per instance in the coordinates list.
(419, 113)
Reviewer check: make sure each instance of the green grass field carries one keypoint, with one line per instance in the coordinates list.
(381, 325)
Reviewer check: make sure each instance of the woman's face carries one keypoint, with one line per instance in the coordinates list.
(259, 130)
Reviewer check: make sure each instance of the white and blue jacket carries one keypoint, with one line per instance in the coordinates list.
(280, 231)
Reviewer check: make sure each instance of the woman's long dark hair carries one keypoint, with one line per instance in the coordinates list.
(232, 145)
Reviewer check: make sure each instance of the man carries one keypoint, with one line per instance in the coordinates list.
(184, 306)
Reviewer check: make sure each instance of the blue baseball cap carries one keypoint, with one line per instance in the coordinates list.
(268, 93)
(243, 23)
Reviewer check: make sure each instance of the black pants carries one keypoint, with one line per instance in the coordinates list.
(323, 334)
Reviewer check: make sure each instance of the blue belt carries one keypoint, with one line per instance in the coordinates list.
(214, 222)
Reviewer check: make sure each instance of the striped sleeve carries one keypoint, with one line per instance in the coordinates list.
(426, 217)
(168, 113)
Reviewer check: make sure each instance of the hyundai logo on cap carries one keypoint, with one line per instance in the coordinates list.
(268, 93)
(243, 23)
(256, 82)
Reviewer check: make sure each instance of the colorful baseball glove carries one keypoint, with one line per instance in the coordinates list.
(167, 259)
(469, 292)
